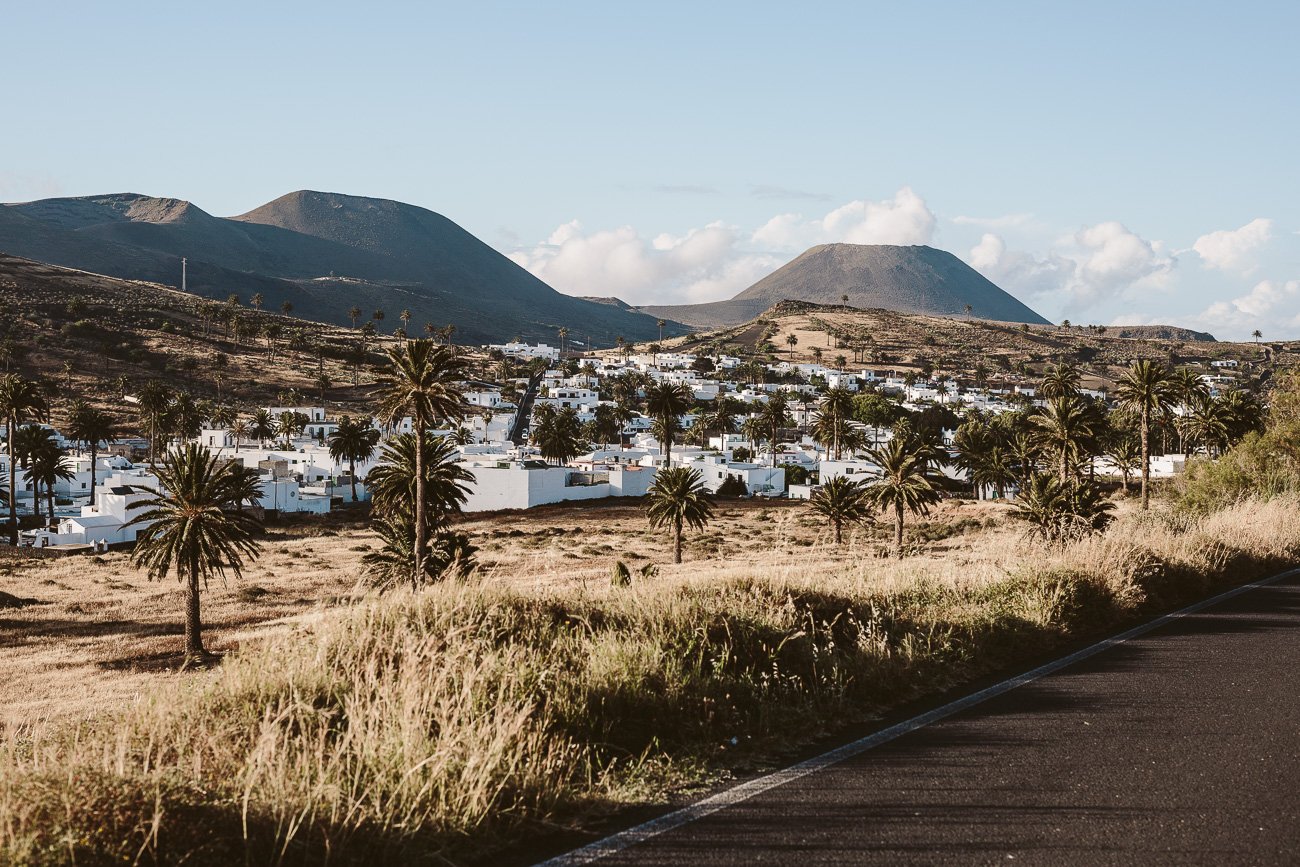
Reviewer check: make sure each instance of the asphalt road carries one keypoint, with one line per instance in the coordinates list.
(1181, 746)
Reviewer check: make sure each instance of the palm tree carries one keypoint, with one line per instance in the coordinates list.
(261, 427)
(607, 425)
(791, 341)
(904, 484)
(1060, 380)
(353, 441)
(775, 417)
(190, 530)
(393, 480)
(1125, 454)
(678, 498)
(90, 426)
(20, 399)
(286, 307)
(836, 407)
(557, 433)
(422, 384)
(1257, 334)
(666, 403)
(152, 401)
(754, 431)
(661, 323)
(354, 313)
(405, 316)
(45, 468)
(563, 332)
(1144, 389)
(239, 430)
(1065, 427)
(841, 502)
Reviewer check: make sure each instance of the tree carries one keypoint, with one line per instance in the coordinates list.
(841, 502)
(677, 499)
(186, 526)
(661, 323)
(666, 403)
(904, 485)
(791, 341)
(1060, 380)
(405, 316)
(721, 416)
(354, 313)
(261, 427)
(775, 416)
(257, 300)
(834, 411)
(20, 399)
(422, 383)
(1061, 512)
(1257, 334)
(152, 402)
(45, 467)
(239, 430)
(1144, 389)
(286, 307)
(557, 433)
(607, 424)
(1125, 454)
(563, 333)
(352, 441)
(91, 427)
(1065, 427)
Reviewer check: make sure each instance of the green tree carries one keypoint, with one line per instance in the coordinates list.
(423, 383)
(186, 527)
(352, 441)
(666, 403)
(677, 499)
(20, 399)
(841, 502)
(904, 485)
(1145, 389)
(557, 432)
(1060, 380)
(91, 427)
(1066, 428)
(46, 468)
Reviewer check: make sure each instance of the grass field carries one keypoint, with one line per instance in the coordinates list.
(450, 724)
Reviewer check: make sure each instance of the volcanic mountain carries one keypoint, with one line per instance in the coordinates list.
(322, 252)
(905, 279)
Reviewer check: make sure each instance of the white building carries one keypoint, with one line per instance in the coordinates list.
(523, 484)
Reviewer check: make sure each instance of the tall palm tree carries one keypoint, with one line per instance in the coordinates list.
(1065, 427)
(841, 501)
(152, 402)
(776, 416)
(353, 441)
(45, 468)
(666, 403)
(721, 416)
(677, 499)
(91, 427)
(1144, 389)
(836, 406)
(261, 427)
(186, 526)
(423, 383)
(393, 486)
(20, 399)
(904, 485)
(240, 431)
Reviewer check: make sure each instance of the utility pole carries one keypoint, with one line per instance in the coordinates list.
(182, 273)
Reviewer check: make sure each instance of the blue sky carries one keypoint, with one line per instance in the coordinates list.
(1105, 162)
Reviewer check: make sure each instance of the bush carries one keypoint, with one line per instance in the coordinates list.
(732, 486)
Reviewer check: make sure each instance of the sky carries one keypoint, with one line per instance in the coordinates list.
(1122, 162)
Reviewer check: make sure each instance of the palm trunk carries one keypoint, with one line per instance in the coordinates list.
(421, 531)
(50, 491)
(11, 424)
(1146, 460)
(352, 473)
(898, 529)
(94, 453)
(839, 537)
(193, 624)
(677, 542)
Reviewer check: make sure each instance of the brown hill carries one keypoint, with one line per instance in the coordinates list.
(914, 279)
(322, 252)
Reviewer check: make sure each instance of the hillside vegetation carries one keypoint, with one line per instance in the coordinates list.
(889, 340)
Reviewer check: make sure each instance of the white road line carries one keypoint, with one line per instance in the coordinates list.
(744, 791)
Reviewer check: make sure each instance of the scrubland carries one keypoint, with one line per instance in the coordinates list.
(453, 723)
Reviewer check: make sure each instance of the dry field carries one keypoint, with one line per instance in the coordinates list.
(100, 634)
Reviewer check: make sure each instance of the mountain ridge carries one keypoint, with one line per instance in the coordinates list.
(321, 252)
(907, 279)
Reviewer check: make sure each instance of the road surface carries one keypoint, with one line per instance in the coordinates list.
(1180, 746)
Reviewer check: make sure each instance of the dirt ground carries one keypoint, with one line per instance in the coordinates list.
(94, 631)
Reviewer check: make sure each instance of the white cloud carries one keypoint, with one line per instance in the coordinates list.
(903, 219)
(704, 264)
(711, 263)
(1232, 249)
(1270, 304)
(1096, 264)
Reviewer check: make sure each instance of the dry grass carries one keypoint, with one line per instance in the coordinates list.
(412, 728)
